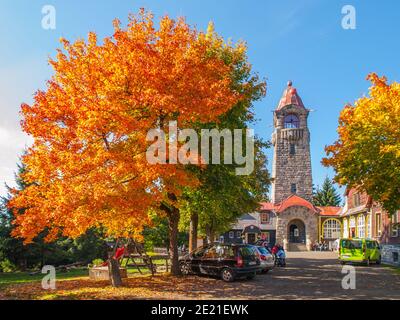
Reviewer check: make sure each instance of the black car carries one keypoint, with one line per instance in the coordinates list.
(228, 261)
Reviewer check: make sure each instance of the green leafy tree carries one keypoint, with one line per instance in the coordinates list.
(327, 195)
(223, 196)
(157, 235)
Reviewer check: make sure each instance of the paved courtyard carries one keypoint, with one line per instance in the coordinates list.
(317, 275)
(312, 275)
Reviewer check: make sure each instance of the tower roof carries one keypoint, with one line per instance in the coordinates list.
(290, 97)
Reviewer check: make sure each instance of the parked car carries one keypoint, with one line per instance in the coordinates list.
(359, 250)
(267, 260)
(228, 261)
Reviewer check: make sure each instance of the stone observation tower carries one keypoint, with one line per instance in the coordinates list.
(291, 140)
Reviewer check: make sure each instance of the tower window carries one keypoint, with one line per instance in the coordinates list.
(292, 149)
(293, 188)
(292, 122)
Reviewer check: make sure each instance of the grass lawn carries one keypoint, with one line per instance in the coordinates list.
(24, 277)
(7, 279)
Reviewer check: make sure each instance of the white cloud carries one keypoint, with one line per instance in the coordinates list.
(18, 82)
(12, 143)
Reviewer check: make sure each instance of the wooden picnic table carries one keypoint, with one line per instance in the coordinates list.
(164, 257)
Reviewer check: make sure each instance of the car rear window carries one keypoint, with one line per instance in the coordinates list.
(246, 252)
(372, 244)
(352, 244)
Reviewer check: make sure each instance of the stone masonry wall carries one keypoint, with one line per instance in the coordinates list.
(310, 221)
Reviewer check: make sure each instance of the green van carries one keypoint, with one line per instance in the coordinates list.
(359, 250)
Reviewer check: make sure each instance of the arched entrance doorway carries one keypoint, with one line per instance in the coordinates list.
(297, 231)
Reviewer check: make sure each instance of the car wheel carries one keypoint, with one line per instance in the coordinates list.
(342, 262)
(227, 275)
(379, 260)
(251, 276)
(185, 269)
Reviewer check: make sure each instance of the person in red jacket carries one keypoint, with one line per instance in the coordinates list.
(119, 253)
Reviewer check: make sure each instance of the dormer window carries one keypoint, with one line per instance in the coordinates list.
(292, 122)
(264, 217)
(356, 199)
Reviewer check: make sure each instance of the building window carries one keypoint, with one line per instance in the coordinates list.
(292, 122)
(356, 199)
(361, 226)
(332, 229)
(369, 226)
(264, 217)
(394, 231)
(352, 227)
(231, 235)
(292, 149)
(345, 228)
(378, 225)
(238, 234)
(293, 188)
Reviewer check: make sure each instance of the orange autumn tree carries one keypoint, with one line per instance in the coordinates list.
(87, 166)
(367, 153)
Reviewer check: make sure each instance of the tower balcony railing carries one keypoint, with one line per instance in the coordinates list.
(292, 134)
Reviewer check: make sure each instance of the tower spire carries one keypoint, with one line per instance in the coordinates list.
(290, 97)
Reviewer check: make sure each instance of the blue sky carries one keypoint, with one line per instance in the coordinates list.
(289, 39)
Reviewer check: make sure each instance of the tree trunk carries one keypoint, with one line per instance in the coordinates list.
(210, 235)
(115, 276)
(113, 268)
(194, 222)
(173, 221)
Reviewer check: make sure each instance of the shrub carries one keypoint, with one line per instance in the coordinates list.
(97, 262)
(7, 266)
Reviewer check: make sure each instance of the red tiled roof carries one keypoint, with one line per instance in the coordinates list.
(289, 97)
(329, 211)
(267, 206)
(294, 200)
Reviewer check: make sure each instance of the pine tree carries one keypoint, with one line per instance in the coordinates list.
(327, 195)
